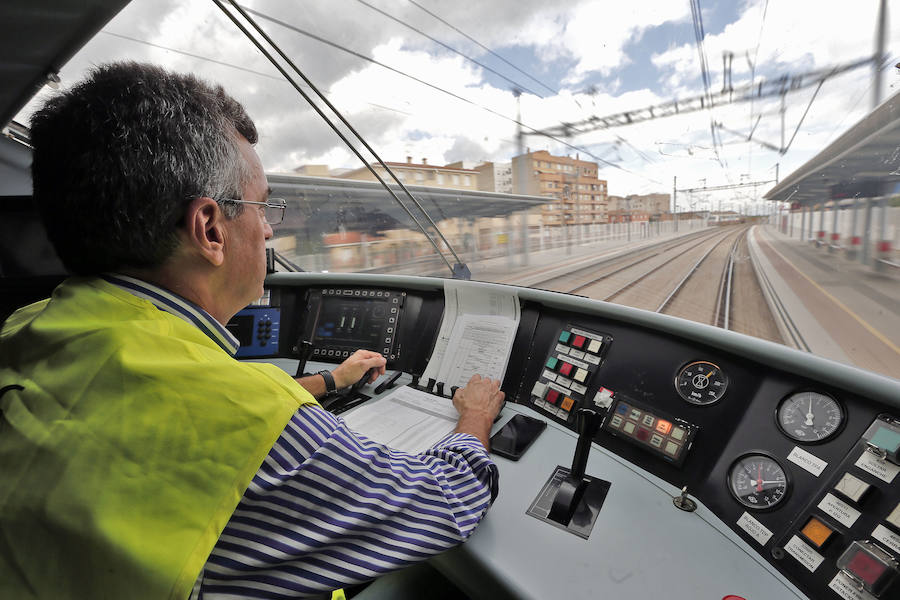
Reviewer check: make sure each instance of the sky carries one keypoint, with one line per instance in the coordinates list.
(573, 60)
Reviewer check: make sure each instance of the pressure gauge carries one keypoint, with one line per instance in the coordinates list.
(701, 382)
(810, 416)
(757, 481)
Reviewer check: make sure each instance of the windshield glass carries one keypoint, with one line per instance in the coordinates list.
(692, 158)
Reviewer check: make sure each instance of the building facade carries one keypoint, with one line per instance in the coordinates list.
(411, 173)
(575, 194)
(495, 177)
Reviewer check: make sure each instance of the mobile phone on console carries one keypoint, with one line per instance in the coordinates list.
(514, 438)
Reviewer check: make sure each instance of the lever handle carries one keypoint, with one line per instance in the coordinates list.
(304, 349)
(587, 421)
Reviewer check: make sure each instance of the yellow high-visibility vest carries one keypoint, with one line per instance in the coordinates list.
(128, 447)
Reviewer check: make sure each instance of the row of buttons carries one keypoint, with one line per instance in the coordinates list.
(566, 369)
(553, 401)
(660, 425)
(645, 435)
(363, 293)
(341, 353)
(660, 434)
(580, 342)
(553, 397)
(331, 352)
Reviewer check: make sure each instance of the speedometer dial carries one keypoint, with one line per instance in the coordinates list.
(701, 382)
(757, 481)
(810, 416)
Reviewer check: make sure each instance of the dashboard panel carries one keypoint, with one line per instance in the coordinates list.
(789, 451)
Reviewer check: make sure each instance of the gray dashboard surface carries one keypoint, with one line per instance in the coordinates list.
(641, 546)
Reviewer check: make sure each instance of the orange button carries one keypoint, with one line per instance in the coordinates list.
(567, 403)
(816, 531)
(664, 427)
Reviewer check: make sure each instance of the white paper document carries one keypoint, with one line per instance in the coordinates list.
(476, 334)
(408, 419)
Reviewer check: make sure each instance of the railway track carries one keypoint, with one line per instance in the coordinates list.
(706, 278)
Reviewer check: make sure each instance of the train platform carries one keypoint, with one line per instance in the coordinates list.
(829, 305)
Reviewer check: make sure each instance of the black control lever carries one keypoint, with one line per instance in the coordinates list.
(304, 349)
(588, 422)
(572, 488)
(389, 383)
(363, 380)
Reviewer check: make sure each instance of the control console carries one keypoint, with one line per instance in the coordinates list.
(257, 329)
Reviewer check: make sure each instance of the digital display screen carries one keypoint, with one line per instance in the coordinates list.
(351, 321)
(241, 327)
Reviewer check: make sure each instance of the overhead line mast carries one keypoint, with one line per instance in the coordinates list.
(744, 93)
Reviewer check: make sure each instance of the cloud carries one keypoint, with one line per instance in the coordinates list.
(563, 42)
(597, 32)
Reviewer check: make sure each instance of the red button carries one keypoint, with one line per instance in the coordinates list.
(642, 434)
(866, 567)
(552, 396)
(578, 342)
(565, 369)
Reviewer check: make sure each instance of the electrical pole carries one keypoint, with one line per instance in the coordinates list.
(522, 175)
(675, 200)
(879, 53)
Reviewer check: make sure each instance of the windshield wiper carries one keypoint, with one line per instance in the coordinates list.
(458, 270)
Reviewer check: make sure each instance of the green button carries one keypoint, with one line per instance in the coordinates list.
(564, 336)
(551, 362)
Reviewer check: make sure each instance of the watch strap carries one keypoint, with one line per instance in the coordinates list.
(330, 387)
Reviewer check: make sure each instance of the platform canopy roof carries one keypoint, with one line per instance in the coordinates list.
(864, 162)
(324, 196)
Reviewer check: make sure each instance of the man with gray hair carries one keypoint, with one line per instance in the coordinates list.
(138, 458)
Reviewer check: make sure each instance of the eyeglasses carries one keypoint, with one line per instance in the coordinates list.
(273, 213)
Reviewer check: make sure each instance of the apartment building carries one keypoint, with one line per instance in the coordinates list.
(575, 194)
(637, 207)
(495, 177)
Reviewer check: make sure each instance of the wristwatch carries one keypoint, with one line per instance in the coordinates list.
(330, 387)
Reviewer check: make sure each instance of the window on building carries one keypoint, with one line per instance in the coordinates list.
(467, 180)
(440, 179)
(420, 176)
(455, 179)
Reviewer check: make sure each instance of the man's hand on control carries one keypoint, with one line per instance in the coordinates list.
(351, 370)
(478, 404)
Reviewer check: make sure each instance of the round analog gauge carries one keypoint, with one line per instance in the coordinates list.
(757, 481)
(701, 382)
(810, 416)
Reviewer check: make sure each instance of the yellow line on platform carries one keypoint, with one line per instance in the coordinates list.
(868, 327)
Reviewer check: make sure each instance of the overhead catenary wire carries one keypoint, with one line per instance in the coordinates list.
(224, 64)
(434, 87)
(753, 74)
(246, 32)
(474, 41)
(448, 47)
(699, 35)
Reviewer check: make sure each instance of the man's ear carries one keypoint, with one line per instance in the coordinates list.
(205, 231)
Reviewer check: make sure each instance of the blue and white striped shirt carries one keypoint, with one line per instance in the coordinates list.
(329, 507)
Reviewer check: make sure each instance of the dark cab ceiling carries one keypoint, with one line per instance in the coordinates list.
(39, 37)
